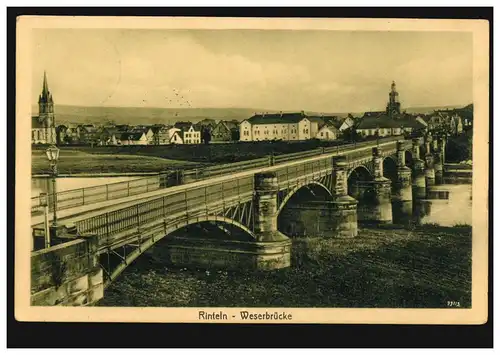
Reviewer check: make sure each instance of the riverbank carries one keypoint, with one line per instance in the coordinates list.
(424, 267)
(75, 161)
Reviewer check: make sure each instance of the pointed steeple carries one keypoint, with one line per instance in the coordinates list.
(45, 96)
(45, 89)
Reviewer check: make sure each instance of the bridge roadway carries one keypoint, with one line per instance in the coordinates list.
(224, 192)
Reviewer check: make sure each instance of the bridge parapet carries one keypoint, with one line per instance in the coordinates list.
(66, 274)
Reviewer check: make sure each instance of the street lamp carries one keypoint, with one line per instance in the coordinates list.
(53, 155)
(44, 202)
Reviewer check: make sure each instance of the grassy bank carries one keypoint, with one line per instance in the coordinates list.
(425, 267)
(211, 153)
(73, 161)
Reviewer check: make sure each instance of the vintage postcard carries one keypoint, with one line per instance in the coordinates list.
(252, 170)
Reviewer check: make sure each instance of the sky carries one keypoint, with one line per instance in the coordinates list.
(323, 71)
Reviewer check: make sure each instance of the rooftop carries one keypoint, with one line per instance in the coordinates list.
(273, 118)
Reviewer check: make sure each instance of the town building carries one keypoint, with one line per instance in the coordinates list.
(225, 131)
(175, 136)
(276, 126)
(148, 131)
(330, 130)
(133, 138)
(43, 128)
(189, 133)
(381, 126)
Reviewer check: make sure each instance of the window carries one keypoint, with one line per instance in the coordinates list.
(321, 134)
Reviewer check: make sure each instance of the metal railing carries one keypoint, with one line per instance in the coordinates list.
(89, 195)
(111, 225)
(94, 194)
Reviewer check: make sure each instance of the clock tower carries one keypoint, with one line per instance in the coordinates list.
(393, 106)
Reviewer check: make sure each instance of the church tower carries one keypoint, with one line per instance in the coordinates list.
(393, 106)
(46, 105)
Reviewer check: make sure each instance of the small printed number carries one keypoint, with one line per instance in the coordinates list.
(453, 304)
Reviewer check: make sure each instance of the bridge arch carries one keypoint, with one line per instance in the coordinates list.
(170, 229)
(360, 171)
(356, 177)
(408, 158)
(390, 168)
(300, 186)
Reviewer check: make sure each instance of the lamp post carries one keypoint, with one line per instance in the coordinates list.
(53, 155)
(45, 204)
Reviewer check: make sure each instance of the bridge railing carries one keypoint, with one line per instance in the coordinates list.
(93, 194)
(90, 195)
(110, 226)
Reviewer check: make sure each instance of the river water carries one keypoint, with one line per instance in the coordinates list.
(446, 205)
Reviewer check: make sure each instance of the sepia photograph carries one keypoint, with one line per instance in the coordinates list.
(237, 170)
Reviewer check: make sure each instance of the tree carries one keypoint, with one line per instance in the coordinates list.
(350, 135)
(235, 134)
(206, 136)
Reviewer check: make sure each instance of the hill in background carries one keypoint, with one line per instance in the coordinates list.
(151, 115)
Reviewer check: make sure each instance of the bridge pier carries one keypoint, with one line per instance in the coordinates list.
(345, 207)
(377, 206)
(418, 176)
(438, 169)
(439, 159)
(430, 175)
(403, 196)
(266, 224)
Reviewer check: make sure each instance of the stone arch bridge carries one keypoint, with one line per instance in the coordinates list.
(247, 208)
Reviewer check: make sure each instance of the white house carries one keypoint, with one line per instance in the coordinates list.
(175, 137)
(328, 132)
(277, 126)
(191, 135)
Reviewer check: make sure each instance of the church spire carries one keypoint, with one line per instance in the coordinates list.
(45, 96)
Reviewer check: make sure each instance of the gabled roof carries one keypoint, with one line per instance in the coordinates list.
(183, 125)
(277, 118)
(330, 124)
(229, 125)
(381, 121)
(133, 136)
(373, 114)
(176, 133)
(207, 122)
(409, 121)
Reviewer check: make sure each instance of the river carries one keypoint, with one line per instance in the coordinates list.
(446, 205)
